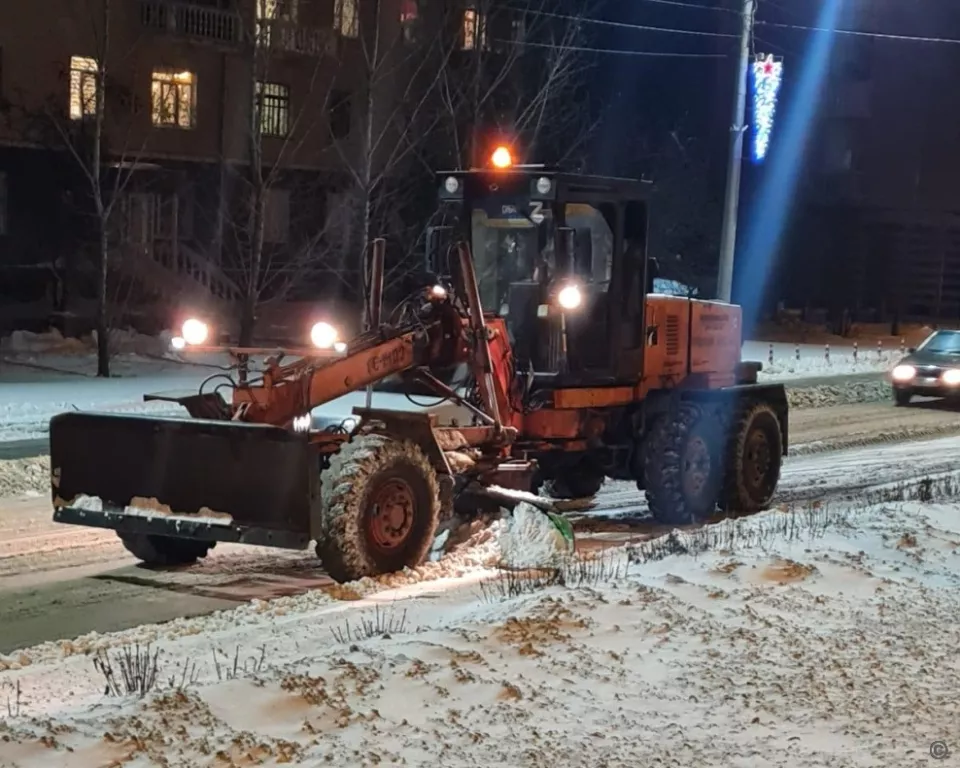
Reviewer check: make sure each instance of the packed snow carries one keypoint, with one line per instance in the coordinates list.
(811, 639)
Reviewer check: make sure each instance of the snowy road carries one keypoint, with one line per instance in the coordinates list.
(86, 580)
(35, 387)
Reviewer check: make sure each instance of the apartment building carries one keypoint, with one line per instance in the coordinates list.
(196, 95)
(191, 92)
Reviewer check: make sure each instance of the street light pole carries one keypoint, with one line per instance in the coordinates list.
(732, 200)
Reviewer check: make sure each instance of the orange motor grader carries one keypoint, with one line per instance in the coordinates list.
(534, 318)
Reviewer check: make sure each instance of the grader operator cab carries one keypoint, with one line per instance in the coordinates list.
(627, 380)
(536, 318)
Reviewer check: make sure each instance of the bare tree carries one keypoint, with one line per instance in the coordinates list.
(370, 57)
(403, 66)
(94, 128)
(268, 114)
(522, 77)
(410, 87)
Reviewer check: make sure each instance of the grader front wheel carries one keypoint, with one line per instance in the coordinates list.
(381, 504)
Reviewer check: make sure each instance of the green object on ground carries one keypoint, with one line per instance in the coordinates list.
(563, 525)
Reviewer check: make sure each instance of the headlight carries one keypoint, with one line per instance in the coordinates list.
(323, 335)
(438, 293)
(952, 377)
(904, 373)
(194, 332)
(451, 185)
(302, 423)
(543, 185)
(178, 342)
(569, 297)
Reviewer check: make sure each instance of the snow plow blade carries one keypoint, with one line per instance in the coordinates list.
(190, 478)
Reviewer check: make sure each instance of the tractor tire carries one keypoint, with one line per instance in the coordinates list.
(381, 506)
(165, 550)
(682, 469)
(753, 460)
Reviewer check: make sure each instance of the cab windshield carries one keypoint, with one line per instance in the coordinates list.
(942, 343)
(509, 249)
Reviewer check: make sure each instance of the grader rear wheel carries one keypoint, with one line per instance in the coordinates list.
(753, 460)
(381, 505)
(682, 466)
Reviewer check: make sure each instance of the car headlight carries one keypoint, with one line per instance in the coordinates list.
(323, 335)
(302, 423)
(194, 332)
(569, 297)
(904, 373)
(951, 377)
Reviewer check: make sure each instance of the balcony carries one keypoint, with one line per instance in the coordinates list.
(286, 36)
(191, 21)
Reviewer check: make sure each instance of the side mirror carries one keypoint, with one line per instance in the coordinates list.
(911, 350)
(437, 259)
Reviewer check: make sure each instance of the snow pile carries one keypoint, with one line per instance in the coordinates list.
(823, 395)
(52, 342)
(22, 477)
(529, 539)
(805, 646)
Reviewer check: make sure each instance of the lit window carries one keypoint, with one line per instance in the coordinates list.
(474, 30)
(269, 12)
(273, 101)
(83, 87)
(346, 19)
(174, 97)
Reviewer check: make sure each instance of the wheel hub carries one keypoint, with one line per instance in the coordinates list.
(757, 458)
(696, 466)
(390, 518)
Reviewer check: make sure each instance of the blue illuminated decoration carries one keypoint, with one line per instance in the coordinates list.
(767, 76)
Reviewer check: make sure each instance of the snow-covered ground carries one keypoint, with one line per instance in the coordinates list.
(798, 361)
(43, 374)
(822, 639)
